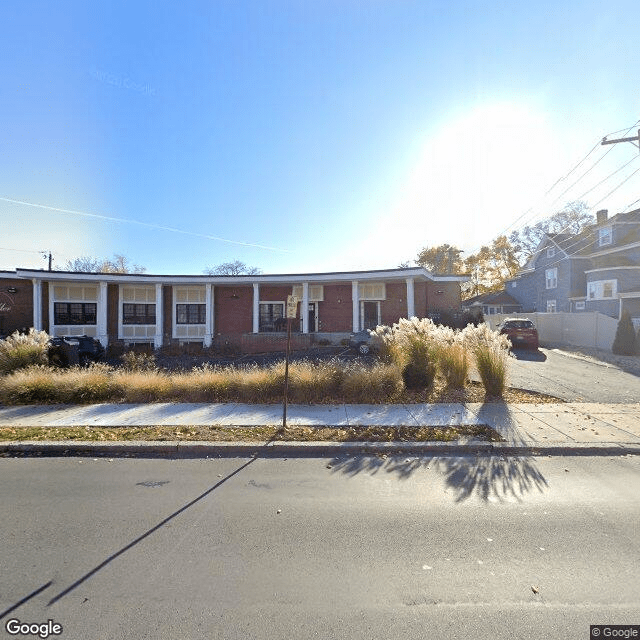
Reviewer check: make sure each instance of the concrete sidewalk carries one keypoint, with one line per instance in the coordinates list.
(564, 428)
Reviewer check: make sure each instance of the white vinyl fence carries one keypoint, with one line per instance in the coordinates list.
(588, 329)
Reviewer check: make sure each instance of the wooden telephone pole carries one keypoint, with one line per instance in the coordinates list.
(635, 140)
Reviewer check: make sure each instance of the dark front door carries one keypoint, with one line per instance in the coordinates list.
(370, 315)
(311, 318)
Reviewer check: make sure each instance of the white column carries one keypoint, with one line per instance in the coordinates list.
(209, 329)
(256, 307)
(355, 297)
(304, 311)
(37, 305)
(411, 300)
(157, 341)
(101, 319)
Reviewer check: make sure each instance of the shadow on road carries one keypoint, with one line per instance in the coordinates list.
(529, 355)
(161, 524)
(496, 476)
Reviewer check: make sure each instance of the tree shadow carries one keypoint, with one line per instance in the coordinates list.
(491, 476)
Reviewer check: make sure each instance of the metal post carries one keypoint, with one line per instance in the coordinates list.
(286, 375)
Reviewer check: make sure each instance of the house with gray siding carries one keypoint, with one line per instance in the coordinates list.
(595, 270)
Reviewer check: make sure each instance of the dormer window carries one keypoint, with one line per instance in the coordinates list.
(551, 252)
(605, 236)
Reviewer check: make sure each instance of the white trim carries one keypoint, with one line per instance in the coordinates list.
(256, 307)
(37, 305)
(157, 340)
(101, 315)
(326, 278)
(201, 327)
(209, 331)
(148, 337)
(604, 252)
(411, 300)
(355, 306)
(611, 268)
(305, 308)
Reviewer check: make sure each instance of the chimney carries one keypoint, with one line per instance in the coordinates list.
(601, 216)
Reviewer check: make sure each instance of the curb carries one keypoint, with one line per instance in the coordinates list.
(73, 448)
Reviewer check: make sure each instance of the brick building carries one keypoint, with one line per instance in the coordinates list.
(244, 311)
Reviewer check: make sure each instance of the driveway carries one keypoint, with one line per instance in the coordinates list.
(572, 378)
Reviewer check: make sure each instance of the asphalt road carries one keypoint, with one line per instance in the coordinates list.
(572, 379)
(352, 548)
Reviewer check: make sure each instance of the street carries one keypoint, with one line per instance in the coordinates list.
(572, 379)
(361, 547)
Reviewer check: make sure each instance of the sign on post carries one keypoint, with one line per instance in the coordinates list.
(292, 311)
(292, 307)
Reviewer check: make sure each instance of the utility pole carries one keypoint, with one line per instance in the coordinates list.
(48, 256)
(635, 140)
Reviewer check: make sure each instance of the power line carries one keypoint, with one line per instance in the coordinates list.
(143, 224)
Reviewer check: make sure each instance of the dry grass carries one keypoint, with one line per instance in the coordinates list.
(250, 434)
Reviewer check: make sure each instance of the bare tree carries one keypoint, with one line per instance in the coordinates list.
(572, 219)
(119, 264)
(235, 268)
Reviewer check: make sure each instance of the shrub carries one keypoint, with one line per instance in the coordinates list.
(624, 344)
(37, 384)
(419, 370)
(375, 384)
(138, 361)
(19, 350)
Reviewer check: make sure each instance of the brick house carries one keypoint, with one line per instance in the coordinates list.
(595, 270)
(245, 311)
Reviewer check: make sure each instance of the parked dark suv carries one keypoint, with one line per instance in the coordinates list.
(521, 331)
(62, 350)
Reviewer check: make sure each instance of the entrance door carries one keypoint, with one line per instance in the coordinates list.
(370, 314)
(311, 317)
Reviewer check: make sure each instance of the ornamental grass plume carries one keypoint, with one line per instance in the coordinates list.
(491, 353)
(21, 350)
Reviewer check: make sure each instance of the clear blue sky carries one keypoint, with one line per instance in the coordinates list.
(314, 135)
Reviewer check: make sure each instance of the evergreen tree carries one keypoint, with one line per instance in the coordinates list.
(624, 344)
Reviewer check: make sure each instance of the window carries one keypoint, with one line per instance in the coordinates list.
(191, 313)
(604, 236)
(551, 252)
(552, 278)
(514, 285)
(316, 292)
(372, 291)
(551, 306)
(580, 306)
(272, 317)
(138, 313)
(602, 289)
(74, 313)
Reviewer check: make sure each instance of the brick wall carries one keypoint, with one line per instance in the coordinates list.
(443, 296)
(335, 311)
(16, 309)
(233, 310)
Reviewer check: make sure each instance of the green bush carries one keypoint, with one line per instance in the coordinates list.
(19, 350)
(624, 344)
